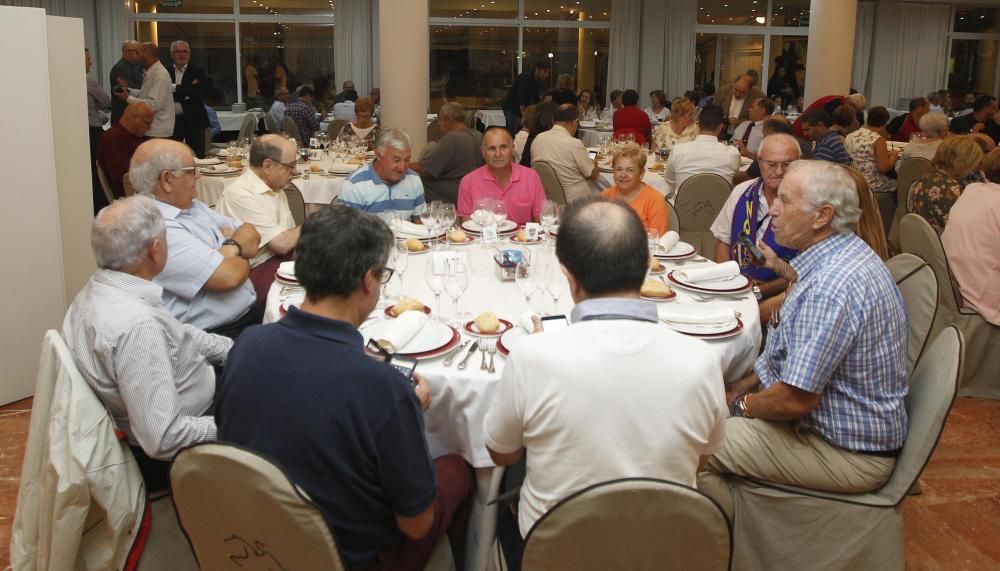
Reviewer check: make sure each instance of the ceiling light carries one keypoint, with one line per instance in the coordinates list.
(551, 55)
(761, 19)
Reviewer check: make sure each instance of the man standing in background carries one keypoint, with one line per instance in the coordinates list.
(188, 83)
(128, 73)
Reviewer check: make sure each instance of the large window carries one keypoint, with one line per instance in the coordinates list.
(973, 48)
(212, 48)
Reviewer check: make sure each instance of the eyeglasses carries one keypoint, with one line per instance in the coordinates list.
(192, 169)
(289, 165)
(775, 166)
(385, 274)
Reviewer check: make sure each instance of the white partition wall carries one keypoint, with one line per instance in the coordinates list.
(44, 157)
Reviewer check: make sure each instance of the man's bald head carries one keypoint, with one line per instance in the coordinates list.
(742, 85)
(137, 118)
(132, 51)
(271, 146)
(152, 159)
(150, 54)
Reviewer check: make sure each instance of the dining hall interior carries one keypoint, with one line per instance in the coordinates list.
(507, 156)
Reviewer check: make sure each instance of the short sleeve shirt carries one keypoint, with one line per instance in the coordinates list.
(568, 157)
(457, 154)
(722, 227)
(523, 195)
(649, 205)
(249, 199)
(365, 190)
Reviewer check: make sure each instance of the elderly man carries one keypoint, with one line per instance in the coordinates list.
(188, 81)
(566, 154)
(981, 120)
(153, 373)
(156, 90)
(127, 73)
(526, 90)
(303, 113)
(257, 197)
(205, 282)
(348, 85)
(119, 143)
(745, 216)
(347, 428)
(705, 154)
(454, 156)
(749, 134)
(933, 130)
(517, 186)
(905, 126)
(824, 406)
(661, 425)
(735, 99)
(387, 184)
(829, 143)
(279, 106)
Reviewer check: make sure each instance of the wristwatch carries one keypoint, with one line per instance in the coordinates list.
(239, 249)
(739, 409)
(757, 293)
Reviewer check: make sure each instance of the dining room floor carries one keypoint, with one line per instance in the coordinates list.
(953, 524)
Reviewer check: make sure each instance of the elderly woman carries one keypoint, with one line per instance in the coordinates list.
(629, 165)
(933, 130)
(589, 109)
(933, 195)
(363, 128)
(681, 127)
(870, 154)
(658, 111)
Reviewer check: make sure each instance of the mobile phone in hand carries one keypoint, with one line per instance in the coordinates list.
(406, 366)
(752, 248)
(554, 322)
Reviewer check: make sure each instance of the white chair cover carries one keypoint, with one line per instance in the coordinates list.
(292, 130)
(918, 285)
(248, 127)
(554, 190)
(673, 219)
(699, 200)
(907, 172)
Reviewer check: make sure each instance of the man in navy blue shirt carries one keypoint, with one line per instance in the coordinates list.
(346, 428)
(816, 125)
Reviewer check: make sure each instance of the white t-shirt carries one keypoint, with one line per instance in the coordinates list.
(606, 399)
(705, 154)
(722, 228)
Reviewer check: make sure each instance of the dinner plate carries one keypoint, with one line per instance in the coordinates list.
(526, 242)
(510, 338)
(473, 328)
(720, 331)
(507, 227)
(286, 276)
(680, 251)
(285, 280)
(468, 240)
(342, 168)
(432, 336)
(430, 238)
(208, 162)
(588, 124)
(228, 171)
(736, 284)
(388, 312)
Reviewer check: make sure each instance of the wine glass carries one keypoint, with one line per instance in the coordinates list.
(550, 213)
(402, 260)
(499, 213)
(456, 284)
(448, 218)
(554, 282)
(427, 219)
(527, 282)
(435, 281)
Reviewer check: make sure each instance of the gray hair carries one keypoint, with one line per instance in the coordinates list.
(824, 182)
(265, 148)
(857, 101)
(393, 137)
(176, 43)
(453, 111)
(776, 139)
(934, 124)
(122, 232)
(146, 175)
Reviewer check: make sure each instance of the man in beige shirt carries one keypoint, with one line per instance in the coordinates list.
(569, 158)
(258, 198)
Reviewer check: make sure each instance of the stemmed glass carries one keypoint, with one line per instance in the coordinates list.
(456, 284)
(554, 280)
(526, 279)
(435, 281)
(653, 240)
(402, 260)
(550, 214)
(499, 213)
(448, 217)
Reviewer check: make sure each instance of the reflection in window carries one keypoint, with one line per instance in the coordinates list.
(472, 9)
(581, 53)
(738, 54)
(212, 47)
(582, 10)
(288, 7)
(472, 65)
(973, 66)
(287, 55)
(732, 12)
(186, 7)
(977, 20)
(787, 69)
(791, 13)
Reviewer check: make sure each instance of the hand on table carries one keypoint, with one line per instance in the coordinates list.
(423, 391)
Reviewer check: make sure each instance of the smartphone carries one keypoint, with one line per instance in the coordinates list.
(592, 154)
(752, 248)
(405, 365)
(554, 322)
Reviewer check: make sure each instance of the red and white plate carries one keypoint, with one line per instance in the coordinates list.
(720, 331)
(507, 227)
(285, 279)
(672, 295)
(505, 326)
(388, 312)
(468, 240)
(433, 339)
(537, 240)
(680, 251)
(735, 284)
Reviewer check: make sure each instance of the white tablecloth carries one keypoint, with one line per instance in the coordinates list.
(317, 190)
(491, 117)
(592, 137)
(233, 121)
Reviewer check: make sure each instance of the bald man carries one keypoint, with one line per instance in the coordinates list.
(188, 83)
(735, 99)
(119, 143)
(156, 90)
(128, 73)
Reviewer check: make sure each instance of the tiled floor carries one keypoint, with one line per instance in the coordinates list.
(954, 524)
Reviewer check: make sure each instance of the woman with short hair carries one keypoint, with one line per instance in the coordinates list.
(589, 108)
(363, 128)
(629, 165)
(658, 109)
(933, 194)
(680, 128)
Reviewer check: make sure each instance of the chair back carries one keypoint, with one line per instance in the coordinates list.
(296, 203)
(105, 184)
(269, 123)
(292, 130)
(232, 502)
(434, 131)
(673, 220)
(334, 127)
(248, 127)
(907, 172)
(554, 190)
(699, 200)
(918, 237)
(919, 288)
(632, 523)
(127, 185)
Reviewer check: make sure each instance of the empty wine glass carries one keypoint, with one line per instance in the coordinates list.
(402, 260)
(526, 280)
(448, 217)
(550, 213)
(555, 281)
(435, 281)
(456, 284)
(653, 240)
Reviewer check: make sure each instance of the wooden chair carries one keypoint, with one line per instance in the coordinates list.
(908, 171)
(105, 184)
(554, 190)
(296, 203)
(699, 200)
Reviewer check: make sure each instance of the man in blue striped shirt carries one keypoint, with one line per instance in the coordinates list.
(816, 125)
(387, 184)
(824, 406)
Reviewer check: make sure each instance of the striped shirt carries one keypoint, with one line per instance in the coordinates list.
(830, 147)
(843, 335)
(151, 371)
(364, 190)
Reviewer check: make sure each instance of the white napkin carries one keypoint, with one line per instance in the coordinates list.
(224, 152)
(208, 161)
(696, 315)
(524, 320)
(717, 272)
(287, 269)
(668, 241)
(404, 328)
(407, 228)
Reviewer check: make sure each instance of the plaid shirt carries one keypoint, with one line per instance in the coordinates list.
(843, 334)
(305, 119)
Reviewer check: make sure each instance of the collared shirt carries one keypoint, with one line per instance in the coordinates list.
(193, 242)
(722, 227)
(614, 308)
(152, 372)
(114, 153)
(365, 190)
(830, 147)
(971, 238)
(631, 117)
(277, 112)
(458, 153)
(568, 157)
(843, 335)
(756, 134)
(304, 118)
(156, 90)
(249, 199)
(523, 194)
(97, 101)
(705, 154)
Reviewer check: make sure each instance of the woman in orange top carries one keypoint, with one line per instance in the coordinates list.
(629, 164)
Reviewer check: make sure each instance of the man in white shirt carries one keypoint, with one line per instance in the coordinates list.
(277, 109)
(157, 91)
(569, 158)
(749, 134)
(344, 110)
(615, 394)
(705, 154)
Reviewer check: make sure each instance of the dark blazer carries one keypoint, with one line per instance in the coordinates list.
(130, 73)
(724, 98)
(191, 95)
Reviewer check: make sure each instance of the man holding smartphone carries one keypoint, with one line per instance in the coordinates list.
(347, 428)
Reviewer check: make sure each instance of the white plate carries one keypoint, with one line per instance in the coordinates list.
(207, 162)
(473, 226)
(222, 172)
(733, 285)
(588, 124)
(433, 335)
(680, 250)
(701, 329)
(287, 276)
(342, 168)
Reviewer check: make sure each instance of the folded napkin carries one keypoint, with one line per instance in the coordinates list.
(407, 228)
(524, 320)
(287, 268)
(696, 315)
(208, 161)
(224, 152)
(403, 329)
(717, 272)
(668, 241)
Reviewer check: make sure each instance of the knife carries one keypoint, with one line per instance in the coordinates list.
(461, 364)
(451, 356)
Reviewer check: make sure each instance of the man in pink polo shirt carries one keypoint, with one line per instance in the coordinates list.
(518, 186)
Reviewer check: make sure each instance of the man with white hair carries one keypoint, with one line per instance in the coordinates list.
(153, 373)
(933, 130)
(188, 83)
(205, 282)
(824, 407)
(156, 91)
(454, 156)
(388, 183)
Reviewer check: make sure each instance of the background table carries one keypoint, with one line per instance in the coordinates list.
(233, 121)
(460, 399)
(491, 117)
(591, 137)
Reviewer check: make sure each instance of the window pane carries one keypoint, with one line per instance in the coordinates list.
(185, 7)
(472, 65)
(972, 67)
(288, 7)
(586, 10)
(580, 53)
(977, 19)
(212, 47)
(732, 12)
(288, 55)
(704, 60)
(787, 69)
(794, 13)
(472, 8)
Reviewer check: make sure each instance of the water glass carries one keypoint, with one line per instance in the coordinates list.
(456, 284)
(435, 281)
(526, 280)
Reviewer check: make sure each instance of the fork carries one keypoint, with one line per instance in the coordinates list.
(482, 349)
(491, 348)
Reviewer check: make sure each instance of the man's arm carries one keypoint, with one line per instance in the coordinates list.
(780, 402)
(285, 242)
(721, 251)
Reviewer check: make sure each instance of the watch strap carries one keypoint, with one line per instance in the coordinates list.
(231, 242)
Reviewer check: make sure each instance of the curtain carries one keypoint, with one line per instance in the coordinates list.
(678, 61)
(352, 45)
(921, 51)
(863, 45)
(623, 54)
(112, 31)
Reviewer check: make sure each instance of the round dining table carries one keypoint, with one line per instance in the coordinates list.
(461, 398)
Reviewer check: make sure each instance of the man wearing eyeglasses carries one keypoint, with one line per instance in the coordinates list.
(128, 73)
(258, 198)
(205, 281)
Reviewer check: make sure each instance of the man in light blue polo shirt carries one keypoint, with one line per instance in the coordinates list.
(205, 280)
(387, 184)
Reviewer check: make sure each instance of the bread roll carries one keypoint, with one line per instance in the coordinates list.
(521, 236)
(406, 304)
(415, 245)
(655, 264)
(315, 167)
(458, 236)
(486, 322)
(655, 288)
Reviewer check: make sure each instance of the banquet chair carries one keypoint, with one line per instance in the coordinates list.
(292, 130)
(919, 288)
(234, 504)
(907, 172)
(982, 367)
(699, 200)
(333, 129)
(269, 124)
(631, 523)
(779, 525)
(105, 185)
(296, 204)
(673, 221)
(554, 190)
(127, 185)
(249, 127)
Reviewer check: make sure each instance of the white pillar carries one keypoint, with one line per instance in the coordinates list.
(404, 68)
(830, 65)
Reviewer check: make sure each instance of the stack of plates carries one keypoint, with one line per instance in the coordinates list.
(680, 251)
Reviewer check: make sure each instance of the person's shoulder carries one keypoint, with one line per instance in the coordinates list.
(362, 175)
